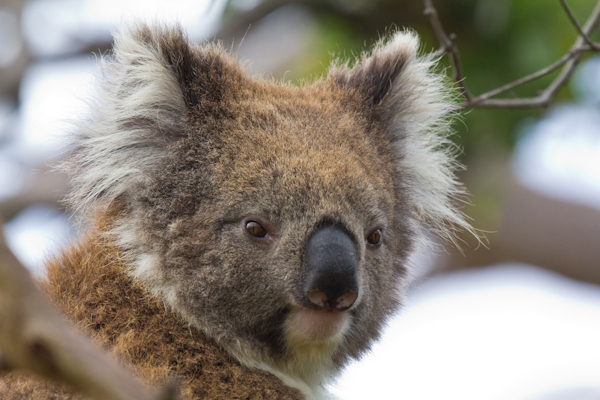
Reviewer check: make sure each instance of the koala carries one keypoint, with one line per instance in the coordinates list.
(250, 237)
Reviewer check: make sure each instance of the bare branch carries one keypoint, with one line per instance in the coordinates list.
(545, 71)
(447, 46)
(34, 337)
(584, 35)
(569, 62)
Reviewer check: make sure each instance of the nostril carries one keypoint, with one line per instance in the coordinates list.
(343, 302)
(346, 300)
(318, 298)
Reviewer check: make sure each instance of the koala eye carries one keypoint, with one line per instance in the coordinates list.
(375, 238)
(256, 229)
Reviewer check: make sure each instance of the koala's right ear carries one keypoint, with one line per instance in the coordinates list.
(413, 103)
(154, 83)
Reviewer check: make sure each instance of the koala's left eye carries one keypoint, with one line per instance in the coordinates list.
(375, 238)
(256, 229)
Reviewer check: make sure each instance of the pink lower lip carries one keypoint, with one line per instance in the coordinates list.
(317, 324)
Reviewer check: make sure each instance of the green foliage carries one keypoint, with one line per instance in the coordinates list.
(499, 41)
(333, 37)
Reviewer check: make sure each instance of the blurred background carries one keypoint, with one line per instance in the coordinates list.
(517, 320)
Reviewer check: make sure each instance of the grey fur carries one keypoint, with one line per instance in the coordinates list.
(183, 148)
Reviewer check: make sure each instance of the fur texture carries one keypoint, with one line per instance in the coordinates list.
(89, 282)
(183, 148)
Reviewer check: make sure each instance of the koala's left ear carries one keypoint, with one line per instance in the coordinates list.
(413, 103)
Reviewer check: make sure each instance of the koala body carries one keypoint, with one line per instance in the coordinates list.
(274, 222)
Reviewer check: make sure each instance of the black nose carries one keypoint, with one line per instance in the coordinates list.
(331, 263)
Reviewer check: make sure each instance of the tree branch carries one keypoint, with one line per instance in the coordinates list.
(447, 46)
(569, 62)
(584, 35)
(34, 337)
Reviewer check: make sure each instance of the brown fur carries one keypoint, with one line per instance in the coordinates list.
(185, 149)
(88, 281)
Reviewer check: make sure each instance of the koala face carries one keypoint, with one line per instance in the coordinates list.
(302, 238)
(276, 219)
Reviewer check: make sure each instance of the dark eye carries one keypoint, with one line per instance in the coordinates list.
(256, 229)
(374, 237)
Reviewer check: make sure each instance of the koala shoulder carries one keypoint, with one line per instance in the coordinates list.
(89, 283)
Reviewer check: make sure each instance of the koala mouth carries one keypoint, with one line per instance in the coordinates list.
(318, 325)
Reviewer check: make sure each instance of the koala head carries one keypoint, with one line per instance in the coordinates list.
(276, 219)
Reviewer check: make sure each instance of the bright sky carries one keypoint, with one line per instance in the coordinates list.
(63, 26)
(503, 332)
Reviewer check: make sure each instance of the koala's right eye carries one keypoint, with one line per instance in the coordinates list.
(256, 229)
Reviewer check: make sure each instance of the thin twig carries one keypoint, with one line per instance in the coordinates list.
(544, 99)
(569, 62)
(447, 46)
(584, 35)
(542, 72)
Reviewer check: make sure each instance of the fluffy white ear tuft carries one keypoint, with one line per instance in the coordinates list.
(147, 90)
(136, 109)
(415, 103)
